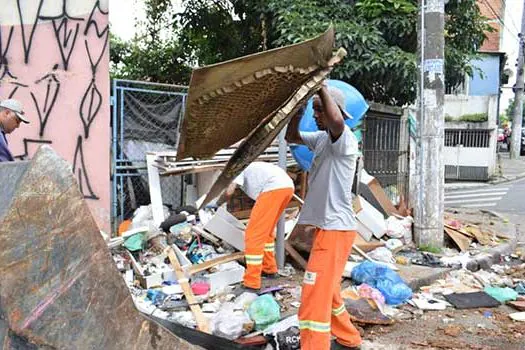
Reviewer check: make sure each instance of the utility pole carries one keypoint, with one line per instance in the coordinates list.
(518, 98)
(429, 206)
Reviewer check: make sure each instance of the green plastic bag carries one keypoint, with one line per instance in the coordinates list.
(135, 242)
(264, 311)
(501, 294)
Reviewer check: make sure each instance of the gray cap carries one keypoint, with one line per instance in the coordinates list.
(340, 100)
(15, 106)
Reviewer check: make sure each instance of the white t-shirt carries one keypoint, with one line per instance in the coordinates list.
(328, 203)
(261, 177)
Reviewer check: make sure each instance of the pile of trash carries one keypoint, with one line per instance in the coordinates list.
(463, 289)
(192, 260)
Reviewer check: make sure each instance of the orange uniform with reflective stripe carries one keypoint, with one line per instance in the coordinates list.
(260, 235)
(321, 315)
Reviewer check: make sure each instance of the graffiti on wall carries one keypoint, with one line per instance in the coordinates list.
(54, 59)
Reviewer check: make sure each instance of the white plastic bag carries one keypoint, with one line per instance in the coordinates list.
(230, 324)
(382, 254)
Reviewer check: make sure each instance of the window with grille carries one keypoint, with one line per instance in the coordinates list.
(467, 138)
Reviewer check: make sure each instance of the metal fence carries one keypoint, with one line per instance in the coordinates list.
(385, 149)
(145, 118)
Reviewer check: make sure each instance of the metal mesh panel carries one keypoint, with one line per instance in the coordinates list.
(145, 118)
(384, 156)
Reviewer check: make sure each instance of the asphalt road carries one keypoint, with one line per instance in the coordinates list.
(503, 198)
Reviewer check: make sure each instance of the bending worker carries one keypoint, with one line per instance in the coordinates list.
(328, 207)
(271, 188)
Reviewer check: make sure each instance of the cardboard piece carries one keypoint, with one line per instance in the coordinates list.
(226, 227)
(369, 217)
(461, 241)
(372, 190)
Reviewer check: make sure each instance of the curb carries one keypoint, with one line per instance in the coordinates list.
(417, 283)
(499, 181)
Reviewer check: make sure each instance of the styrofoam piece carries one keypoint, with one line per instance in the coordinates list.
(221, 279)
(226, 227)
(371, 218)
(364, 231)
(349, 266)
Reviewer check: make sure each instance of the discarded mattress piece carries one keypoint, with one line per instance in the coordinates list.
(55, 265)
(262, 136)
(471, 300)
(262, 82)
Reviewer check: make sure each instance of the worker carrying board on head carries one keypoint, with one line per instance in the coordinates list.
(328, 207)
(271, 188)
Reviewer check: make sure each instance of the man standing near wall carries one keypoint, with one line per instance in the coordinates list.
(328, 207)
(271, 188)
(11, 116)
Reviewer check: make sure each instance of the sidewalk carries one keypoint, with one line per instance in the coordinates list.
(506, 170)
(509, 169)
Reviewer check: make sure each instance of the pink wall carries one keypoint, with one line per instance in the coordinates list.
(60, 74)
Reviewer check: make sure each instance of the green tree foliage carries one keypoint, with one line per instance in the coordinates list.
(151, 55)
(379, 35)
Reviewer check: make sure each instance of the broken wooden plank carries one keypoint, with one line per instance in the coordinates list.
(214, 262)
(484, 238)
(295, 255)
(202, 322)
(461, 231)
(462, 241)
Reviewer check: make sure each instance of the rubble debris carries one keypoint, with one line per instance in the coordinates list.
(518, 305)
(518, 316)
(363, 310)
(453, 330)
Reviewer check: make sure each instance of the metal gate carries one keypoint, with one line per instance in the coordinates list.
(467, 154)
(385, 149)
(145, 118)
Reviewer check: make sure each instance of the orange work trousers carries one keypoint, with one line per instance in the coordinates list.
(260, 235)
(322, 312)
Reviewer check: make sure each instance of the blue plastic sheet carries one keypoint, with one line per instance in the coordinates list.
(388, 282)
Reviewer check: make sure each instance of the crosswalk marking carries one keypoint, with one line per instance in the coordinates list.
(479, 205)
(476, 195)
(483, 190)
(475, 198)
